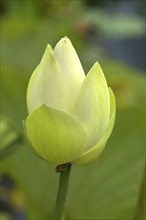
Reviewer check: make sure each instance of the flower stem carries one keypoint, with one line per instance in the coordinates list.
(64, 170)
(141, 200)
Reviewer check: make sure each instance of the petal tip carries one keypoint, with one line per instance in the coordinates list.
(97, 65)
(49, 47)
(65, 39)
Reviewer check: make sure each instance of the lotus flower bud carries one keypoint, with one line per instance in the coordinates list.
(71, 116)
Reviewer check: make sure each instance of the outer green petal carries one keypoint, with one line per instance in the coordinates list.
(94, 152)
(46, 85)
(72, 70)
(93, 105)
(28, 141)
(55, 135)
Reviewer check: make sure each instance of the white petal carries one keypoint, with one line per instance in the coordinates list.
(93, 105)
(72, 70)
(46, 85)
(91, 154)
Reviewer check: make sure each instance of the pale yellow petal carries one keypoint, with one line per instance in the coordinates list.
(93, 105)
(71, 67)
(55, 135)
(46, 85)
(90, 155)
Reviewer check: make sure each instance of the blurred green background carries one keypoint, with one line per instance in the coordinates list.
(112, 32)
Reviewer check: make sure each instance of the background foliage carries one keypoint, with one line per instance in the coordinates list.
(108, 188)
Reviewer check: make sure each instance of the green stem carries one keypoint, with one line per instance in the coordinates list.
(141, 200)
(64, 170)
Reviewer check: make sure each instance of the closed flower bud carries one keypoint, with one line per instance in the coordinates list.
(71, 116)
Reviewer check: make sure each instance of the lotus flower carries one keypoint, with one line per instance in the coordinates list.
(71, 116)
